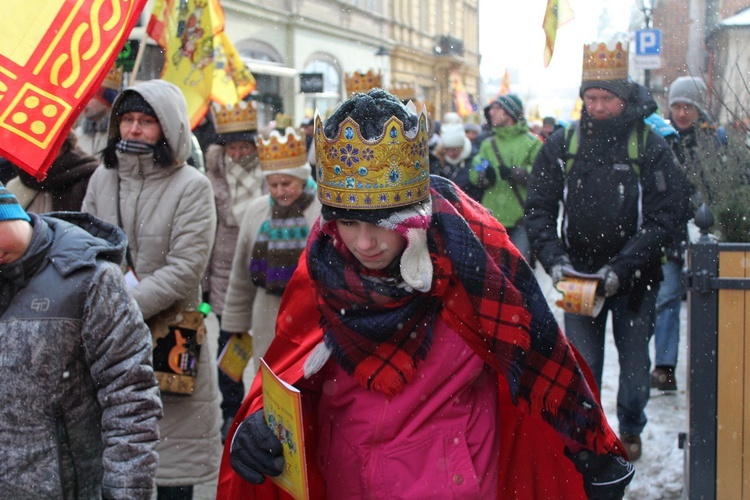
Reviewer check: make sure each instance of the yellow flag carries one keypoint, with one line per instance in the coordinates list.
(505, 83)
(199, 57)
(558, 13)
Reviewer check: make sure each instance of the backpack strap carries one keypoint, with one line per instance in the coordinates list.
(511, 181)
(636, 145)
(570, 145)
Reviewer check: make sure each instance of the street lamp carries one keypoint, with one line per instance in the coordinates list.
(382, 57)
(647, 7)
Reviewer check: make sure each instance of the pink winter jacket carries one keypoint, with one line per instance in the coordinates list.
(436, 439)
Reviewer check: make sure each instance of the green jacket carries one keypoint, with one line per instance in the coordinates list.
(518, 148)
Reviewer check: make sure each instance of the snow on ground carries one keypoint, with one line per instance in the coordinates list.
(660, 470)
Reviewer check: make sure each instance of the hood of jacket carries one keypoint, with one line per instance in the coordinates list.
(170, 107)
(598, 136)
(519, 128)
(71, 252)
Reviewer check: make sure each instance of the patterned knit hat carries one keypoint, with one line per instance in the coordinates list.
(512, 105)
(9, 207)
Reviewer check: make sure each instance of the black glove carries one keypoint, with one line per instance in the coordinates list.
(505, 173)
(604, 476)
(556, 272)
(486, 176)
(610, 282)
(256, 450)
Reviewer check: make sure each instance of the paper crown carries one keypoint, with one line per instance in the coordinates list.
(603, 61)
(361, 82)
(113, 80)
(387, 172)
(281, 152)
(241, 117)
(404, 91)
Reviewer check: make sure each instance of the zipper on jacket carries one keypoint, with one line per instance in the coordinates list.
(63, 450)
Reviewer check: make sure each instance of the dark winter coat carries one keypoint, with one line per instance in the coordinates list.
(612, 215)
(65, 184)
(79, 399)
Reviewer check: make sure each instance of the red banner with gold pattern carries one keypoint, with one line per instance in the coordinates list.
(53, 56)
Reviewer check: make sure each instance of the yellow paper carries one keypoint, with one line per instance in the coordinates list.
(283, 409)
(235, 356)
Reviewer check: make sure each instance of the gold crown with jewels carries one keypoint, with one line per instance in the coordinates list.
(404, 91)
(241, 117)
(603, 61)
(361, 82)
(280, 152)
(387, 172)
(113, 80)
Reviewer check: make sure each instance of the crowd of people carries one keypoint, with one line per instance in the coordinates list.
(383, 268)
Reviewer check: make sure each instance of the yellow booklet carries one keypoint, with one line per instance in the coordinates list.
(283, 409)
(235, 355)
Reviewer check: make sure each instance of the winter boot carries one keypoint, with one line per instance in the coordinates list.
(662, 378)
(632, 445)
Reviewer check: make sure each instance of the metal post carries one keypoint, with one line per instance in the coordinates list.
(700, 459)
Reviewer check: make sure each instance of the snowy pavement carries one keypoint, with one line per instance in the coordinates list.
(660, 470)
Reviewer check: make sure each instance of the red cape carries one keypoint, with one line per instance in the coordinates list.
(532, 460)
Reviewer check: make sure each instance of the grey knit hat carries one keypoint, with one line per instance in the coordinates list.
(690, 90)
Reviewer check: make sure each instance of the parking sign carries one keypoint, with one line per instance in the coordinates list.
(648, 42)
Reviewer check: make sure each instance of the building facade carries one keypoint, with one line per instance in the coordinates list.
(423, 44)
(697, 42)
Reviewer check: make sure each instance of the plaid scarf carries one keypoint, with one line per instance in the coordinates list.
(280, 242)
(489, 295)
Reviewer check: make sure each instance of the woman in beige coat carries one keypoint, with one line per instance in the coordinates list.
(273, 234)
(167, 211)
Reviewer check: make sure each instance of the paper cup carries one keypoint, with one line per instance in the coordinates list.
(579, 297)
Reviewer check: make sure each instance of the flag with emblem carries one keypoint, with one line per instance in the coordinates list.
(199, 57)
(461, 99)
(558, 13)
(54, 54)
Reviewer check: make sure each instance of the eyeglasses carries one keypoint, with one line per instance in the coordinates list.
(682, 107)
(143, 121)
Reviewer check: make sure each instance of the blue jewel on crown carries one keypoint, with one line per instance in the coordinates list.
(393, 133)
(383, 198)
(349, 133)
(360, 185)
(394, 176)
(410, 194)
(397, 198)
(353, 198)
(362, 171)
(368, 200)
(336, 170)
(417, 164)
(338, 198)
(349, 182)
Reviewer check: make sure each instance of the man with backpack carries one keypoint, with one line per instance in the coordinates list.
(610, 172)
(502, 166)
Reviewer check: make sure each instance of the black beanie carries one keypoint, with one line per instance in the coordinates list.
(621, 88)
(133, 101)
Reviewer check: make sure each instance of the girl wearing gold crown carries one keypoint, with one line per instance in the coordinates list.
(272, 234)
(429, 362)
